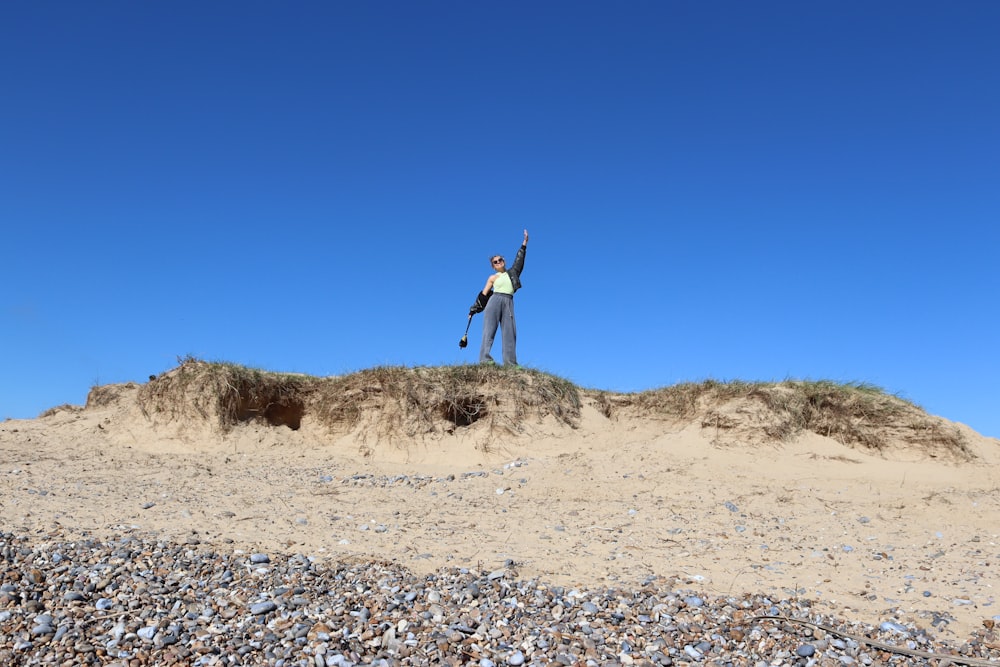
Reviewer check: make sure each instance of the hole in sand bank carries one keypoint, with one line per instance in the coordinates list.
(464, 410)
(276, 414)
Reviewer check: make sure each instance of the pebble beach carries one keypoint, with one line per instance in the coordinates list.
(132, 602)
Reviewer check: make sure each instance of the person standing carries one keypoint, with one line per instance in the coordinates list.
(498, 296)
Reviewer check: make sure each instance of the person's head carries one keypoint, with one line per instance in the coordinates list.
(498, 263)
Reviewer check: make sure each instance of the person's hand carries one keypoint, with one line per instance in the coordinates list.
(525, 237)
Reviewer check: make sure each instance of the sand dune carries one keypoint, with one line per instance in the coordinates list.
(840, 495)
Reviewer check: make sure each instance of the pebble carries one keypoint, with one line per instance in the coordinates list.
(892, 626)
(805, 651)
(693, 652)
(262, 608)
(134, 601)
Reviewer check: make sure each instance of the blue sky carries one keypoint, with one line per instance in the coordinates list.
(725, 190)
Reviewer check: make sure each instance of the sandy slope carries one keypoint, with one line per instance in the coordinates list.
(611, 502)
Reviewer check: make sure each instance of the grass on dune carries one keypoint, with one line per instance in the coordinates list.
(856, 413)
(386, 399)
(413, 401)
(407, 402)
(230, 392)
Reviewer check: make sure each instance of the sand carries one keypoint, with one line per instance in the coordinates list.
(867, 536)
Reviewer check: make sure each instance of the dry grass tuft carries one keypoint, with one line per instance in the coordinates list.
(228, 393)
(104, 395)
(676, 402)
(393, 401)
(856, 414)
(65, 407)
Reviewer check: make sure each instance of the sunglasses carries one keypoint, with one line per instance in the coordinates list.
(498, 261)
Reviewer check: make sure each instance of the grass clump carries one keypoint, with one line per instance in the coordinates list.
(680, 401)
(855, 413)
(227, 392)
(400, 401)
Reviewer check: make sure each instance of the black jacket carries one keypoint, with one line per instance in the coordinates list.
(515, 270)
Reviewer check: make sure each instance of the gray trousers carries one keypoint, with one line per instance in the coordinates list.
(499, 312)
